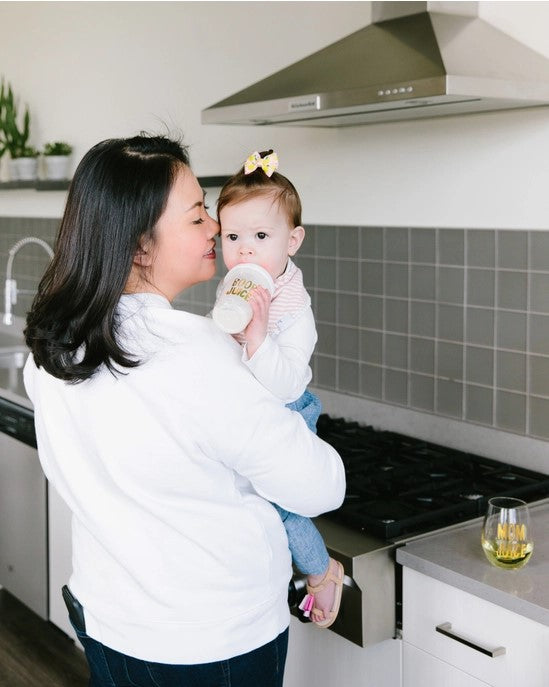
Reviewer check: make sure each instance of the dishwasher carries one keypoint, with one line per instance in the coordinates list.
(23, 510)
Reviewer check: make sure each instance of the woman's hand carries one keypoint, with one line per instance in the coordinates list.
(256, 331)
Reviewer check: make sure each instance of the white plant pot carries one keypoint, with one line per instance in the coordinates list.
(57, 167)
(27, 168)
(13, 170)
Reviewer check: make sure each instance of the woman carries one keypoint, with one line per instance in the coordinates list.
(164, 446)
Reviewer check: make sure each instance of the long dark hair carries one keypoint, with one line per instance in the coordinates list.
(116, 197)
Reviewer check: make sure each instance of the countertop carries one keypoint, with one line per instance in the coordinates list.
(456, 558)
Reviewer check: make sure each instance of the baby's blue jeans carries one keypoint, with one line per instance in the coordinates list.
(306, 544)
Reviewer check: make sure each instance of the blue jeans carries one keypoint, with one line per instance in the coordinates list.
(263, 666)
(304, 540)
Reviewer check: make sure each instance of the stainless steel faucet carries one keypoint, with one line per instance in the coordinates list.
(10, 289)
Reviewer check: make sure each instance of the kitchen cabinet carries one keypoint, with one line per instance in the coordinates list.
(23, 541)
(430, 657)
(323, 658)
(60, 558)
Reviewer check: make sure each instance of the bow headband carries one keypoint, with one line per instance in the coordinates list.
(268, 164)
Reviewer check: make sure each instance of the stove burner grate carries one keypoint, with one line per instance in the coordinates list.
(398, 485)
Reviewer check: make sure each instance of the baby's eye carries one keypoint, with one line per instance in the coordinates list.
(261, 235)
(232, 237)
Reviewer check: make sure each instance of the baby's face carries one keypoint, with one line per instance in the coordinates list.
(258, 231)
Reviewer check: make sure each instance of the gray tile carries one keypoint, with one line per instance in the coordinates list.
(513, 249)
(348, 276)
(481, 287)
(539, 292)
(479, 404)
(326, 273)
(511, 411)
(348, 342)
(396, 244)
(539, 250)
(396, 387)
(396, 315)
(423, 245)
(479, 365)
(451, 249)
(539, 412)
(325, 371)
(423, 282)
(307, 266)
(396, 351)
(327, 338)
(449, 361)
(450, 322)
(371, 347)
(371, 381)
(451, 285)
(326, 305)
(371, 312)
(539, 376)
(512, 290)
(449, 398)
(326, 241)
(347, 242)
(481, 248)
(371, 243)
(308, 247)
(480, 326)
(396, 280)
(347, 309)
(422, 392)
(511, 371)
(422, 355)
(539, 334)
(348, 376)
(372, 278)
(422, 318)
(511, 330)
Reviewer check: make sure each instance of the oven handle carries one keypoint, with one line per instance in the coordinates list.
(446, 630)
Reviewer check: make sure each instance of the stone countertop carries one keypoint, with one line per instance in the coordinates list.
(456, 558)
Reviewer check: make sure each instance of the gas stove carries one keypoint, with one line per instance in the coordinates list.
(398, 489)
(397, 485)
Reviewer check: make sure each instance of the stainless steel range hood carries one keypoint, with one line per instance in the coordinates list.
(419, 63)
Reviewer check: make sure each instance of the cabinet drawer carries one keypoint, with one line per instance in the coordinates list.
(420, 669)
(428, 604)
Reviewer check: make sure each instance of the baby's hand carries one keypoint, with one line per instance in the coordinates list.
(256, 331)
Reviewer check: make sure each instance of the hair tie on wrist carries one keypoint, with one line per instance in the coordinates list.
(268, 164)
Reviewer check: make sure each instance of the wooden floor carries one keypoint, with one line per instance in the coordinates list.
(34, 653)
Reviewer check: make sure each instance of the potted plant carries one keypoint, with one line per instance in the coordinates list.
(15, 136)
(56, 159)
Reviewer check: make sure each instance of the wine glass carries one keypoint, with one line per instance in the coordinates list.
(507, 533)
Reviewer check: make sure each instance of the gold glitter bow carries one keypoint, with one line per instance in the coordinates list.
(268, 164)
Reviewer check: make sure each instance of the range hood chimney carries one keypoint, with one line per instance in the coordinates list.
(417, 59)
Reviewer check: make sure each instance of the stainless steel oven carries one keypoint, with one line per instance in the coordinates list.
(399, 489)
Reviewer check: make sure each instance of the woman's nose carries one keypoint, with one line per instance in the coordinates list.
(213, 227)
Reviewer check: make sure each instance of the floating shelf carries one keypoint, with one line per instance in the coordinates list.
(63, 184)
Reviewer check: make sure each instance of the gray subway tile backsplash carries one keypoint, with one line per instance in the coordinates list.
(447, 321)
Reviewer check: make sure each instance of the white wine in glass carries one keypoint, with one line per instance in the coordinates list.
(507, 533)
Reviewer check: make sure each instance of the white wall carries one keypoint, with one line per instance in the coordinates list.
(91, 70)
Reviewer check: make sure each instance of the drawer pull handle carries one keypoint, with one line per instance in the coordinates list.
(446, 630)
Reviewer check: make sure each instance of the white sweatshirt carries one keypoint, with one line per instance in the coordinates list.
(168, 469)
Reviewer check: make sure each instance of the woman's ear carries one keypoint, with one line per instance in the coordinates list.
(142, 256)
(297, 235)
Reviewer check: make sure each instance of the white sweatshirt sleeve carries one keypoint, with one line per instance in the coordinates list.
(249, 430)
(281, 363)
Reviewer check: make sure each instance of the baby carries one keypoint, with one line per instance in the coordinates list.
(259, 212)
